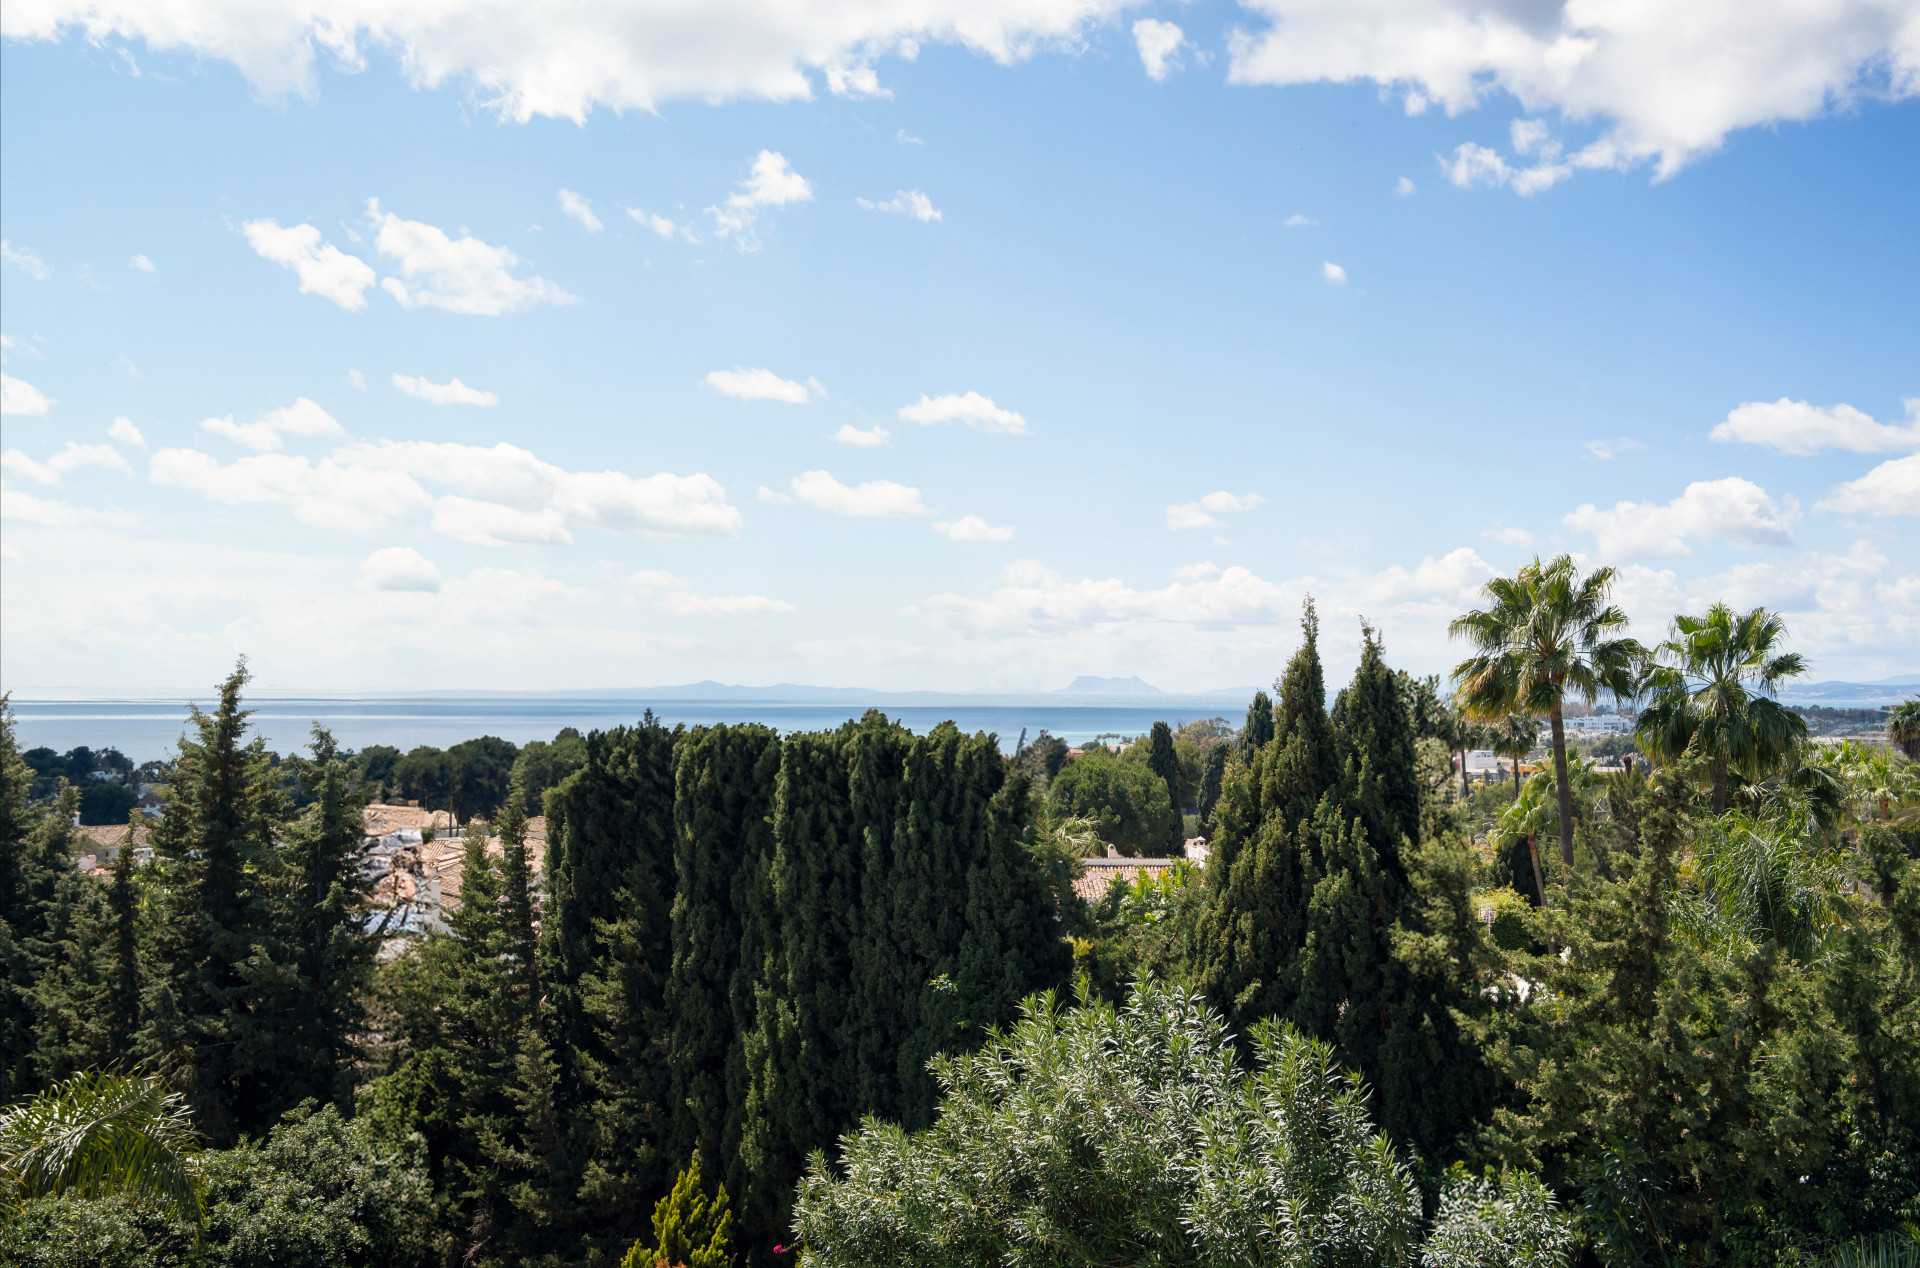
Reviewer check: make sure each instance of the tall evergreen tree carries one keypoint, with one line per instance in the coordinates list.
(16, 1012)
(123, 989)
(1258, 732)
(65, 948)
(1164, 762)
(1377, 742)
(1213, 776)
(322, 901)
(215, 850)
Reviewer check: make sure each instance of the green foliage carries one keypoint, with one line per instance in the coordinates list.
(541, 765)
(1259, 730)
(1712, 687)
(690, 1230)
(1509, 1221)
(1133, 806)
(1903, 728)
(97, 1134)
(1103, 1135)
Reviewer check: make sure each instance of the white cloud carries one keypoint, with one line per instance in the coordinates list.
(675, 596)
(1892, 488)
(302, 418)
(661, 225)
(578, 208)
(464, 276)
(327, 494)
(664, 504)
(24, 259)
(9, 344)
(71, 458)
(773, 497)
(142, 263)
(1297, 221)
(1508, 535)
(524, 61)
(904, 139)
(972, 408)
(971, 528)
(323, 269)
(1333, 273)
(1159, 44)
(773, 183)
(17, 396)
(1403, 187)
(1735, 511)
(490, 524)
(878, 498)
(1795, 427)
(1477, 165)
(27, 509)
(906, 202)
(450, 393)
(757, 385)
(851, 435)
(1205, 570)
(126, 433)
(1606, 449)
(400, 568)
(356, 380)
(1660, 89)
(1201, 514)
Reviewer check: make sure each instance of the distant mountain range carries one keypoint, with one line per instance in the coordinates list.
(1853, 695)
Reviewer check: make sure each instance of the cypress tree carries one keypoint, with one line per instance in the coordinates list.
(323, 899)
(1258, 732)
(1164, 762)
(1377, 743)
(723, 794)
(606, 955)
(516, 885)
(64, 948)
(123, 992)
(16, 1012)
(216, 845)
(1213, 776)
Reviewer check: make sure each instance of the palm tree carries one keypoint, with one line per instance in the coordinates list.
(1712, 687)
(1515, 736)
(1903, 728)
(1546, 634)
(1523, 820)
(101, 1133)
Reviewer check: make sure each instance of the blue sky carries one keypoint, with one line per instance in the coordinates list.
(1138, 360)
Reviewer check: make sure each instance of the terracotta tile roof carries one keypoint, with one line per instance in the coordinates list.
(381, 819)
(108, 836)
(453, 857)
(1097, 875)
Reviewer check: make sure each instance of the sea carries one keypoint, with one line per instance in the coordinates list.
(149, 727)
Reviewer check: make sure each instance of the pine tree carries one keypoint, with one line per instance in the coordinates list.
(1213, 776)
(16, 1011)
(123, 989)
(516, 884)
(1164, 762)
(1258, 732)
(690, 1230)
(1377, 745)
(65, 949)
(322, 901)
(214, 847)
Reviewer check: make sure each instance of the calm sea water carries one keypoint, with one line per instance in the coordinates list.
(149, 728)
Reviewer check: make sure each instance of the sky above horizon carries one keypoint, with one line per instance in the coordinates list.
(943, 346)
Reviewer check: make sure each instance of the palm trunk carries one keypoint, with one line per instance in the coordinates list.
(1516, 779)
(1466, 789)
(1719, 786)
(1539, 884)
(1566, 789)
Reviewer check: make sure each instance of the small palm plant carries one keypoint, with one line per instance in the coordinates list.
(1903, 728)
(100, 1134)
(1524, 820)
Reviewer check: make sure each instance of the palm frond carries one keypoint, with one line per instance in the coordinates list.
(101, 1133)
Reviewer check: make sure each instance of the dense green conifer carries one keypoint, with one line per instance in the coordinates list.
(1164, 762)
(123, 988)
(1213, 777)
(1258, 732)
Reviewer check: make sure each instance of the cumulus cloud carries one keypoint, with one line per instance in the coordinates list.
(27, 509)
(1298, 221)
(302, 418)
(1477, 165)
(126, 433)
(772, 183)
(54, 469)
(141, 263)
(526, 61)
(661, 225)
(1333, 274)
(906, 202)
(491, 524)
(24, 259)
(1795, 427)
(450, 393)
(1735, 511)
(459, 276)
(675, 596)
(399, 568)
(17, 396)
(327, 494)
(973, 409)
(1659, 90)
(878, 498)
(1508, 535)
(971, 528)
(868, 439)
(1201, 514)
(758, 385)
(574, 207)
(1159, 44)
(322, 268)
(1892, 488)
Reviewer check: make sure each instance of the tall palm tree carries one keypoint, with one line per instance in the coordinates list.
(1515, 736)
(1712, 686)
(1547, 633)
(1903, 728)
(101, 1133)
